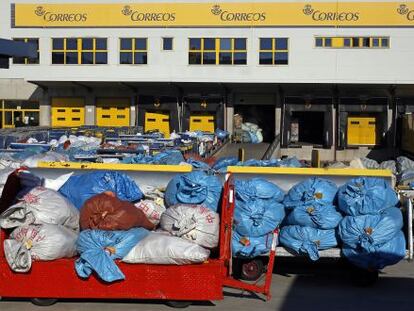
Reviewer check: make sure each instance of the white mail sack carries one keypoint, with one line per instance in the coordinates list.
(152, 210)
(195, 223)
(164, 249)
(38, 242)
(41, 206)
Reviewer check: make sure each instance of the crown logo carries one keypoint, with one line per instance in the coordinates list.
(216, 10)
(40, 11)
(402, 9)
(307, 10)
(126, 10)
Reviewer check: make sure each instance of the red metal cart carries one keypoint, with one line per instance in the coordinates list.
(49, 281)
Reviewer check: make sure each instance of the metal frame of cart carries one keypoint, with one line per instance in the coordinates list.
(48, 281)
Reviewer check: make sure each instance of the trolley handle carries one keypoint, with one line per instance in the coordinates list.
(3, 236)
(226, 224)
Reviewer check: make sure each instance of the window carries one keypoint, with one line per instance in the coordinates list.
(352, 42)
(27, 60)
(274, 51)
(217, 51)
(133, 51)
(77, 51)
(167, 44)
(17, 113)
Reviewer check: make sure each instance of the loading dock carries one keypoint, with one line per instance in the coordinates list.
(113, 112)
(260, 109)
(158, 114)
(307, 122)
(203, 114)
(362, 122)
(68, 111)
(405, 124)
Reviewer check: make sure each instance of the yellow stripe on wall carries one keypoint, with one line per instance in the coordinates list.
(215, 14)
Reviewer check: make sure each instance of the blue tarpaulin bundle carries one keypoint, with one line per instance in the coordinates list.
(306, 240)
(74, 153)
(313, 190)
(222, 163)
(364, 195)
(290, 162)
(80, 188)
(198, 164)
(368, 232)
(249, 247)
(389, 253)
(196, 187)
(257, 217)
(320, 216)
(28, 152)
(98, 249)
(257, 188)
(167, 157)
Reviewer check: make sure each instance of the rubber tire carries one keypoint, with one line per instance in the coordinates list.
(44, 302)
(178, 304)
(363, 277)
(252, 270)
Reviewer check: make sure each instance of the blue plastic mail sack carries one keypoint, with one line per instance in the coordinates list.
(98, 249)
(312, 190)
(307, 240)
(194, 188)
(80, 188)
(249, 247)
(368, 232)
(320, 216)
(364, 195)
(257, 217)
(257, 188)
(384, 255)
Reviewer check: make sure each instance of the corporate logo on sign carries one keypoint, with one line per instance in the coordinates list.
(318, 15)
(227, 16)
(138, 16)
(60, 17)
(403, 9)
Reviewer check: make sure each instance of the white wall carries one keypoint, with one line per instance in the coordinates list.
(306, 63)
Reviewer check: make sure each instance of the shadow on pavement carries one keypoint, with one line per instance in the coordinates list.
(327, 286)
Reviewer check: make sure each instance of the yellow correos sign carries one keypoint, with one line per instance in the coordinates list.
(265, 14)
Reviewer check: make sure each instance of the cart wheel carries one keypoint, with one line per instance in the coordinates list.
(44, 302)
(181, 304)
(252, 270)
(364, 278)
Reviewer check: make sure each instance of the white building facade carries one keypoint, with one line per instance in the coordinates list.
(335, 76)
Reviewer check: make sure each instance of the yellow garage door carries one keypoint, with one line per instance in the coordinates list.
(159, 121)
(68, 112)
(362, 131)
(202, 123)
(112, 111)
